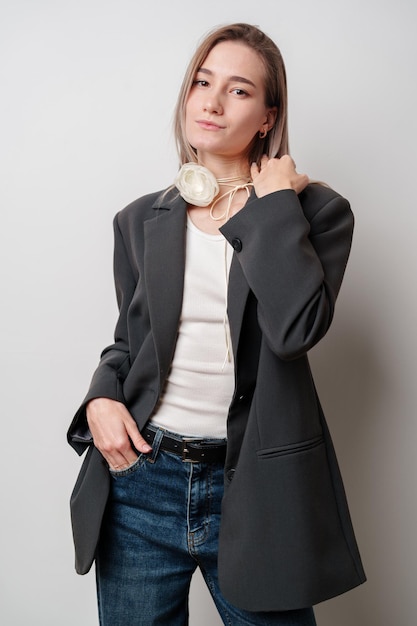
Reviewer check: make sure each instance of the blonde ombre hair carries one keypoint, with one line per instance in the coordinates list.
(275, 144)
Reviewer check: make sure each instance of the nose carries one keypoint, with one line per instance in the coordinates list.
(212, 103)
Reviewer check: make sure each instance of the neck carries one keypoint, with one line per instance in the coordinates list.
(223, 168)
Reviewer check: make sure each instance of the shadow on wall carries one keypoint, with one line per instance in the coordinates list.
(349, 379)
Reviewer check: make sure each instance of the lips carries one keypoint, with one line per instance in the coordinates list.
(208, 125)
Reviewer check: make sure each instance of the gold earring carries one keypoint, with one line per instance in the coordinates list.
(263, 133)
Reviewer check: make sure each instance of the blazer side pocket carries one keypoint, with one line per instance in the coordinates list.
(294, 448)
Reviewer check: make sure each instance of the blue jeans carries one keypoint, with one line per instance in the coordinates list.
(162, 523)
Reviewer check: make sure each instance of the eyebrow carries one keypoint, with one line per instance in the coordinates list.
(240, 79)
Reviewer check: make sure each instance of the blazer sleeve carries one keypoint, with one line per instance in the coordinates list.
(293, 252)
(114, 362)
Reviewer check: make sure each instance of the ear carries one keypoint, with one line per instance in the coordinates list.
(271, 117)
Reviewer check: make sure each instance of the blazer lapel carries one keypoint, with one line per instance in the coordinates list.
(164, 275)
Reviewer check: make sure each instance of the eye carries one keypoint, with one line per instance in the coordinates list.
(239, 92)
(200, 82)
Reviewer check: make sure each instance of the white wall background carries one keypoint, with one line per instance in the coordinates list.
(87, 92)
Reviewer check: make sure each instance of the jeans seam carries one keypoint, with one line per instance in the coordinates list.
(191, 535)
(225, 617)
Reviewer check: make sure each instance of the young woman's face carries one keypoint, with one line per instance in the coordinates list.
(226, 105)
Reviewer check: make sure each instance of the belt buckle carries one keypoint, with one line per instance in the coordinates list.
(185, 451)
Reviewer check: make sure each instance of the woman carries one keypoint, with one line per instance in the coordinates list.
(210, 446)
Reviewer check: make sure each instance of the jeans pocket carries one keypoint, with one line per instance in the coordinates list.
(126, 471)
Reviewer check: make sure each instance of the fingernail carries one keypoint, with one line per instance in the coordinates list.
(146, 448)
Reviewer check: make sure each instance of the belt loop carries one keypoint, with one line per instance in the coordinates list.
(156, 444)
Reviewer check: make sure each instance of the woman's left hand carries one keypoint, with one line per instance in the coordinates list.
(277, 175)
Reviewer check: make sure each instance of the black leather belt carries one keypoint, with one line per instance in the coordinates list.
(189, 449)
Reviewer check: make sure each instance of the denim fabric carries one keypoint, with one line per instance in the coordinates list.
(162, 523)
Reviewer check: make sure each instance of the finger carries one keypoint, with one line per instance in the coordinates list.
(122, 458)
(264, 161)
(117, 460)
(254, 170)
(138, 441)
(120, 463)
(119, 455)
(288, 161)
(305, 180)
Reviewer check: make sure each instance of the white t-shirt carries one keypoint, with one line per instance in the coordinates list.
(200, 383)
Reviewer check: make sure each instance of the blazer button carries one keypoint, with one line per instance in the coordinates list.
(237, 244)
(230, 474)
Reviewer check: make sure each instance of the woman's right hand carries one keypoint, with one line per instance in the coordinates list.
(114, 431)
(277, 174)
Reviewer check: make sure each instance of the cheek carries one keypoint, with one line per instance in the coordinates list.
(251, 125)
(189, 128)
(189, 111)
(192, 102)
(187, 125)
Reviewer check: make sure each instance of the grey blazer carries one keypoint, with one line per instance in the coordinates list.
(286, 539)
